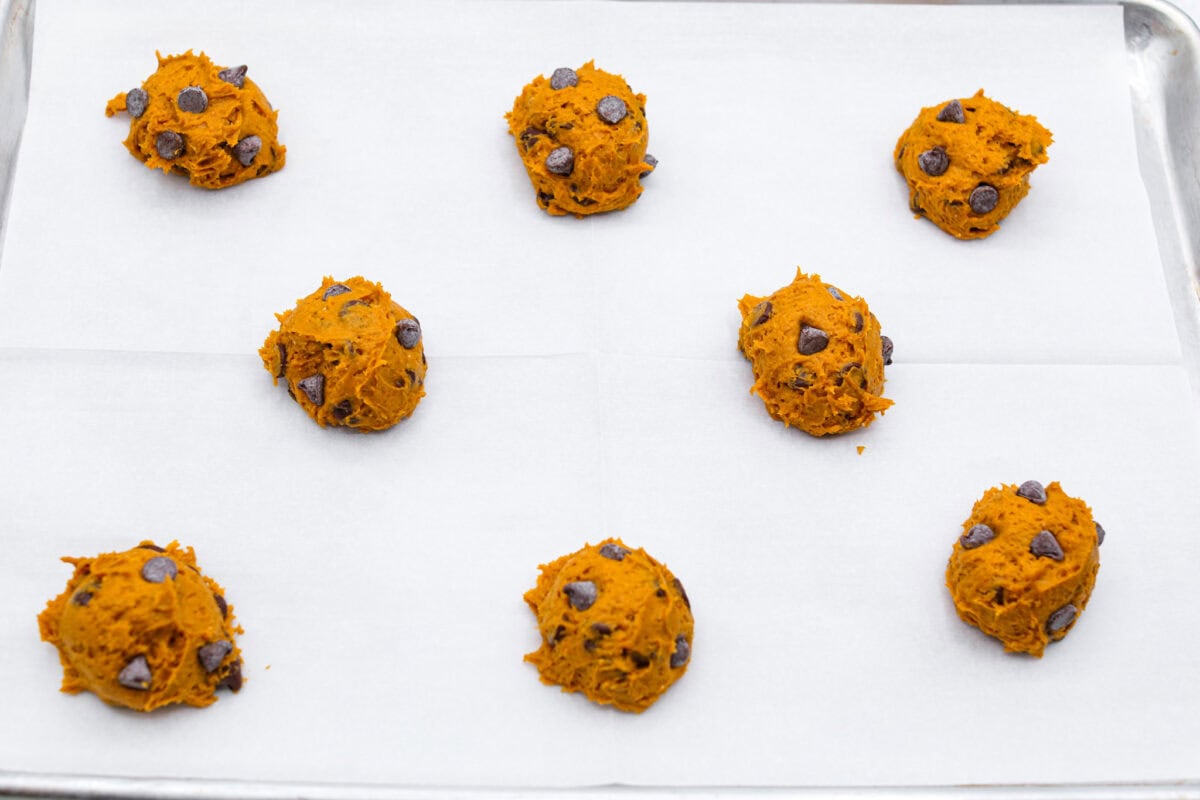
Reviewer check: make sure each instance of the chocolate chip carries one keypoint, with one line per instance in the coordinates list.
(563, 77)
(836, 294)
(611, 109)
(679, 588)
(82, 598)
(852, 367)
(314, 388)
(282, 359)
(812, 340)
(660, 592)
(1044, 544)
(858, 322)
(169, 144)
(998, 596)
(234, 75)
(983, 198)
(136, 674)
(639, 660)
(803, 379)
(761, 313)
(652, 161)
(887, 349)
(233, 680)
(1061, 618)
(211, 655)
(247, 149)
(934, 162)
(683, 651)
(953, 112)
(153, 547)
(136, 101)
(581, 594)
(601, 628)
(1099, 534)
(978, 535)
(222, 606)
(529, 136)
(408, 333)
(158, 569)
(412, 376)
(192, 100)
(341, 410)
(614, 552)
(1032, 491)
(589, 645)
(560, 161)
(335, 290)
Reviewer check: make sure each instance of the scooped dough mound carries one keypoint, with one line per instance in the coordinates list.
(616, 625)
(349, 355)
(211, 124)
(967, 163)
(582, 135)
(1025, 565)
(817, 355)
(144, 629)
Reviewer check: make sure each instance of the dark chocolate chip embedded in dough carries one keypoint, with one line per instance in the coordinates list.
(158, 569)
(834, 291)
(679, 588)
(136, 674)
(222, 606)
(408, 333)
(82, 598)
(1061, 618)
(169, 144)
(934, 162)
(761, 313)
(683, 651)
(639, 660)
(234, 75)
(1099, 534)
(601, 628)
(983, 198)
(660, 592)
(652, 161)
(560, 161)
(314, 388)
(247, 150)
(1032, 491)
(153, 547)
(192, 99)
(282, 359)
(211, 655)
(581, 594)
(611, 109)
(978, 535)
(888, 347)
(1045, 545)
(812, 340)
(953, 112)
(803, 379)
(614, 552)
(136, 101)
(232, 680)
(562, 78)
(858, 322)
(342, 410)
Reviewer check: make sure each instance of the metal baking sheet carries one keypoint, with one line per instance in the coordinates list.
(1163, 77)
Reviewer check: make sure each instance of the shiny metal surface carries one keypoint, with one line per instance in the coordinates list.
(1163, 46)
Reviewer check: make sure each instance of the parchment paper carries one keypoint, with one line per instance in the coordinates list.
(584, 382)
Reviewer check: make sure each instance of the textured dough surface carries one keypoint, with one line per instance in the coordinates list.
(836, 389)
(209, 137)
(609, 159)
(630, 644)
(349, 355)
(1007, 591)
(994, 146)
(110, 615)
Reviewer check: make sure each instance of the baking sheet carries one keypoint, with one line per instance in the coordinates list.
(820, 660)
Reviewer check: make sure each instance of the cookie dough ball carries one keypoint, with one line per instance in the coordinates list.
(144, 629)
(616, 625)
(817, 354)
(209, 123)
(349, 355)
(967, 163)
(1025, 565)
(582, 135)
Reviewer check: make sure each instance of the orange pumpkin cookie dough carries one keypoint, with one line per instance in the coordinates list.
(1025, 565)
(209, 123)
(582, 135)
(144, 629)
(817, 355)
(349, 355)
(967, 163)
(616, 625)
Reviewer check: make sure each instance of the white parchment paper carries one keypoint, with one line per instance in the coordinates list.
(584, 382)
